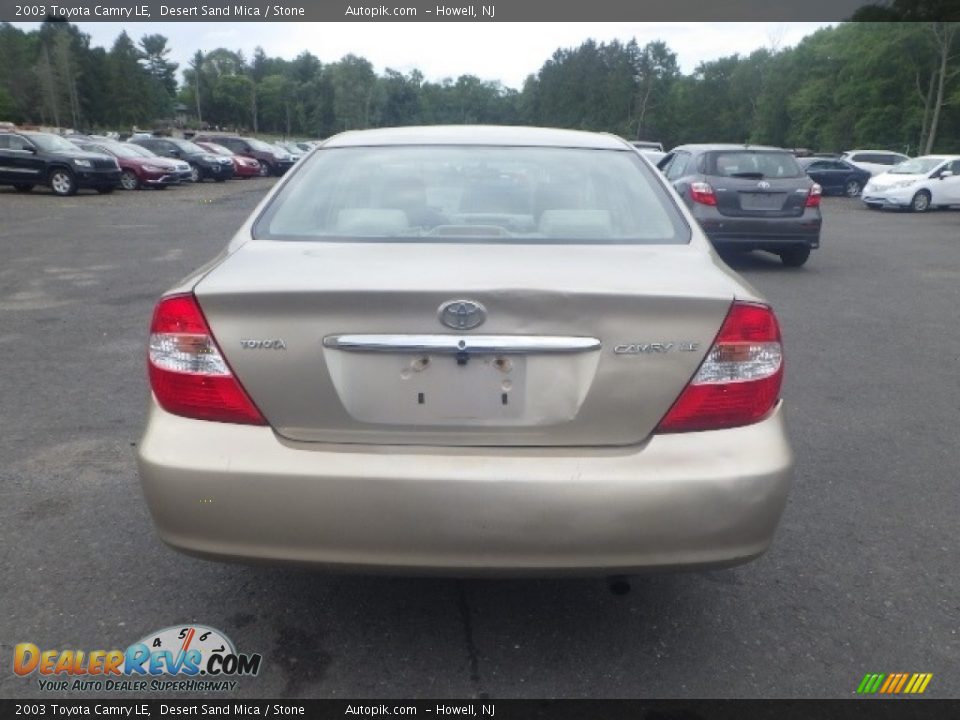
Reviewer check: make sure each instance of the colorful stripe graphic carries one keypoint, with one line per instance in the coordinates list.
(894, 683)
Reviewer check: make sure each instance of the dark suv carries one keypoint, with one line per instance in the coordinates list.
(203, 163)
(749, 197)
(273, 160)
(28, 159)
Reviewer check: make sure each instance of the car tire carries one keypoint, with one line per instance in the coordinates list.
(264, 170)
(23, 188)
(852, 188)
(129, 180)
(920, 202)
(795, 256)
(195, 175)
(62, 182)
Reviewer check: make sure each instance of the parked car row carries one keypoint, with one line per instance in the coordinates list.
(67, 164)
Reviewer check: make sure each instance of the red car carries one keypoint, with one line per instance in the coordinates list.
(244, 167)
(136, 171)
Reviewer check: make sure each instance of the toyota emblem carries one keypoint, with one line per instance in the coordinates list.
(462, 314)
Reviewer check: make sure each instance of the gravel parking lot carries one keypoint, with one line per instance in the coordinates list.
(862, 576)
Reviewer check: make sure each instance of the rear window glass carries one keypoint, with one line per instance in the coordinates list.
(474, 194)
(752, 164)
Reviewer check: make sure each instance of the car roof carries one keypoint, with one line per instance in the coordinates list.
(708, 147)
(478, 135)
(887, 152)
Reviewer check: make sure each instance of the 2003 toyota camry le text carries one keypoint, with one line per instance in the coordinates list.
(468, 350)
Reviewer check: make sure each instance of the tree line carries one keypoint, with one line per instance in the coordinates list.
(883, 84)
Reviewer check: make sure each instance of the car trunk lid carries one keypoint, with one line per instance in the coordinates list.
(582, 344)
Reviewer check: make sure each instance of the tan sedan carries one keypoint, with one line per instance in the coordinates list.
(468, 350)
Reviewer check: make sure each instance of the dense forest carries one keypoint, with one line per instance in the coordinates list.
(860, 84)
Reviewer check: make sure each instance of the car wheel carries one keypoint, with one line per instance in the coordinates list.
(852, 188)
(264, 169)
(23, 188)
(62, 182)
(129, 180)
(794, 257)
(105, 190)
(920, 202)
(195, 175)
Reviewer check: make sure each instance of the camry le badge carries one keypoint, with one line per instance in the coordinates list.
(462, 314)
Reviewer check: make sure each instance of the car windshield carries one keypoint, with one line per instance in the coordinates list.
(218, 149)
(187, 146)
(122, 150)
(752, 164)
(474, 194)
(139, 150)
(917, 166)
(260, 145)
(52, 143)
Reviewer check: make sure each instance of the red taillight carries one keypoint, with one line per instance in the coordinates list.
(701, 192)
(813, 198)
(188, 373)
(739, 381)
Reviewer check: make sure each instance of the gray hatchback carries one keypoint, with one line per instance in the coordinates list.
(749, 197)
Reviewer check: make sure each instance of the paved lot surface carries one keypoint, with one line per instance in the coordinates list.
(862, 576)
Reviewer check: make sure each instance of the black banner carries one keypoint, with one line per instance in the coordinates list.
(426, 10)
(912, 709)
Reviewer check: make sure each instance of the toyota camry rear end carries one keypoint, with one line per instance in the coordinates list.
(468, 350)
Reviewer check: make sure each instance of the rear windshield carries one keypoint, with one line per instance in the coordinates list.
(474, 194)
(752, 164)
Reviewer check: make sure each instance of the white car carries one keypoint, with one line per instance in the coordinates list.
(874, 161)
(919, 184)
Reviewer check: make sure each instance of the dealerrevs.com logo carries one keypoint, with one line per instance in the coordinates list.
(179, 658)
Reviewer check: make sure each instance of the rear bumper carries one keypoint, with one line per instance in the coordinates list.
(761, 233)
(685, 500)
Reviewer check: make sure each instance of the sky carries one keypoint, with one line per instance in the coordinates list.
(507, 52)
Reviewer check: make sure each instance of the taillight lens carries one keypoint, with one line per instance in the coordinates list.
(813, 197)
(188, 373)
(739, 381)
(702, 192)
